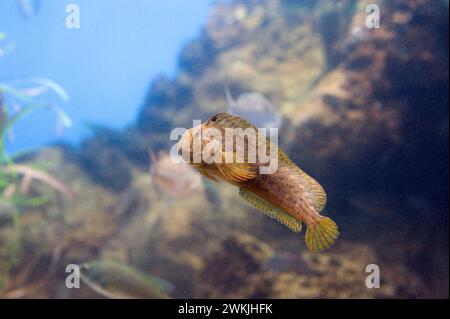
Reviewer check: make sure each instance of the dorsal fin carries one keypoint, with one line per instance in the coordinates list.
(271, 210)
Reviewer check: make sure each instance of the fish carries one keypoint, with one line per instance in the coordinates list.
(177, 181)
(289, 195)
(255, 106)
(119, 281)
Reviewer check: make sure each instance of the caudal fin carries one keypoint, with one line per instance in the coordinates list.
(321, 235)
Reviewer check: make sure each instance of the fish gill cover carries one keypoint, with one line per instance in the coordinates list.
(364, 111)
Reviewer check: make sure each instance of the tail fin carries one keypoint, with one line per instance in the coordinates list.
(321, 235)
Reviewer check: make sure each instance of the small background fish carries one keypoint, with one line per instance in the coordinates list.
(253, 105)
(175, 180)
(118, 281)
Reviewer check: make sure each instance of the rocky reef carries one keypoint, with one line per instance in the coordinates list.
(246, 267)
(365, 111)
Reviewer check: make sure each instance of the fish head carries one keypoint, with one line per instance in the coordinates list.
(218, 148)
(92, 275)
(194, 140)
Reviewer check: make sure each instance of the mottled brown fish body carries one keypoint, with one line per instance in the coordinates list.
(281, 190)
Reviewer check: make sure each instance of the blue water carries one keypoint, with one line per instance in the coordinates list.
(105, 66)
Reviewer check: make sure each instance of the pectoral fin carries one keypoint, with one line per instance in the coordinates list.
(271, 210)
(237, 171)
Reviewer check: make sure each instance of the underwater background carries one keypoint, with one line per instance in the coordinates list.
(362, 110)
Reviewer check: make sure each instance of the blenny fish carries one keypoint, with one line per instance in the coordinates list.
(289, 195)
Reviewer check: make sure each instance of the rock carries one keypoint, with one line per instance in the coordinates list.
(101, 157)
(230, 271)
(237, 270)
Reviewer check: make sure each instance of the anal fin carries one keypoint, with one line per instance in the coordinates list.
(271, 210)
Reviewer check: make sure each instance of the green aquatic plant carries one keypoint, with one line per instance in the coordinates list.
(15, 178)
(9, 170)
(5, 46)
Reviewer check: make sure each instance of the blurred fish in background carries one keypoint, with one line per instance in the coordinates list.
(254, 106)
(119, 281)
(181, 180)
(175, 180)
